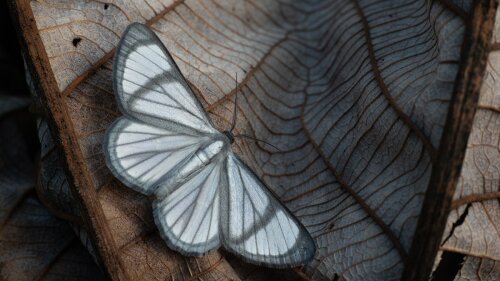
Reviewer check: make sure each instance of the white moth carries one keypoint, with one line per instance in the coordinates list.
(165, 145)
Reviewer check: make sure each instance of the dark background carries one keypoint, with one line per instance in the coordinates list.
(12, 78)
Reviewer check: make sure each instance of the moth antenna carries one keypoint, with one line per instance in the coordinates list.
(255, 139)
(235, 104)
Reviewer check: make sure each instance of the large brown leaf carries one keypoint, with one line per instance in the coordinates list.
(473, 227)
(354, 93)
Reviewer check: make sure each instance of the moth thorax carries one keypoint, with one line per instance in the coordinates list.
(229, 136)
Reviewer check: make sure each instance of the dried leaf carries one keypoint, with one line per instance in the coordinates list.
(354, 93)
(473, 226)
(479, 269)
(33, 243)
(16, 169)
(36, 245)
(53, 186)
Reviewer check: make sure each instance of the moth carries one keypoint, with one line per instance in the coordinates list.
(165, 146)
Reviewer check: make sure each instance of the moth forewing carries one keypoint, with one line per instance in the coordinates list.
(138, 154)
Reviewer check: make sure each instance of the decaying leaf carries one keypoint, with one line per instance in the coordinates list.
(34, 245)
(16, 169)
(479, 269)
(473, 227)
(355, 94)
(53, 185)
